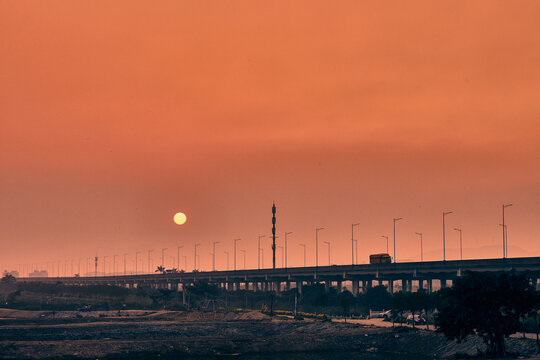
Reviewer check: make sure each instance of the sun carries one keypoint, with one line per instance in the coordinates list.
(180, 218)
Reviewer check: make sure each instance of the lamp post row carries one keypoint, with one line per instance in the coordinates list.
(260, 258)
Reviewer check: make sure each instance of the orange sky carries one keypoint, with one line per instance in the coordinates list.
(115, 115)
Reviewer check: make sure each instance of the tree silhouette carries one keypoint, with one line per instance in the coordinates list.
(486, 304)
(8, 279)
(161, 269)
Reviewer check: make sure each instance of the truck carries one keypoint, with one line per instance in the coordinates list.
(380, 259)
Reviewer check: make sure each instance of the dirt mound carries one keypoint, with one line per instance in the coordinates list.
(250, 315)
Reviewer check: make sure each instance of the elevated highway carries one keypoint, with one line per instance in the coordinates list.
(407, 276)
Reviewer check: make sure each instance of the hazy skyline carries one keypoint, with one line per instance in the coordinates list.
(115, 116)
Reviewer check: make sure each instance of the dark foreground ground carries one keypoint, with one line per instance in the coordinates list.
(252, 336)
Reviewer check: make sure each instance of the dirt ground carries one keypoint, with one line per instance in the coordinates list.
(131, 334)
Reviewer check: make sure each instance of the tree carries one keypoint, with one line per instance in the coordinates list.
(486, 304)
(345, 300)
(161, 269)
(8, 279)
(378, 298)
(413, 303)
(399, 305)
(425, 302)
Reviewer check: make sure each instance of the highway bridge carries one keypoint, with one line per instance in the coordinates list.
(406, 276)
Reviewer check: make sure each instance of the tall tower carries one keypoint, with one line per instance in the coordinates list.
(95, 264)
(274, 234)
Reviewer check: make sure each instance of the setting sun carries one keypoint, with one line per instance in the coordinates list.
(180, 218)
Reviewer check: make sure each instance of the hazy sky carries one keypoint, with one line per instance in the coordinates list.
(115, 115)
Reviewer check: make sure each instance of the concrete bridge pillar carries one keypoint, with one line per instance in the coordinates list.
(287, 285)
(443, 283)
(339, 285)
(366, 284)
(429, 286)
(299, 287)
(391, 286)
(355, 286)
(327, 285)
(420, 284)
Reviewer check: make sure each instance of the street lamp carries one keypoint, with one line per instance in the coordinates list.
(214, 256)
(244, 252)
(328, 243)
(421, 247)
(395, 219)
(150, 261)
(356, 250)
(304, 246)
(259, 252)
(226, 252)
(195, 257)
(505, 236)
(460, 244)
(352, 243)
(286, 255)
(163, 257)
(114, 265)
(386, 237)
(234, 257)
(178, 257)
(317, 246)
(444, 233)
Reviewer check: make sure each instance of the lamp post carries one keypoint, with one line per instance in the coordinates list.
(195, 257)
(259, 253)
(163, 257)
(386, 237)
(150, 261)
(352, 243)
(356, 250)
(444, 233)
(262, 257)
(286, 255)
(328, 243)
(282, 255)
(421, 247)
(214, 256)
(395, 219)
(178, 257)
(317, 246)
(304, 246)
(234, 256)
(460, 244)
(244, 253)
(505, 238)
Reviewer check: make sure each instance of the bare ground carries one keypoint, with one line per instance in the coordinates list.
(41, 335)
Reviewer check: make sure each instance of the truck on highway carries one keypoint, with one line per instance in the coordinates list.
(380, 259)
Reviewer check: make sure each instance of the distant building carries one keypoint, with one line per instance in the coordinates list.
(36, 273)
(13, 273)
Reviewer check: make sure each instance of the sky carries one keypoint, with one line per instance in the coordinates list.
(116, 115)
